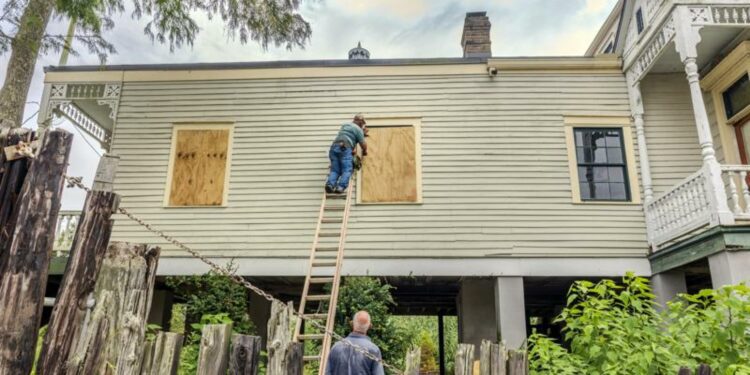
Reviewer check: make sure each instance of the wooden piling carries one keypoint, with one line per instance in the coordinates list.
(280, 334)
(703, 369)
(244, 355)
(464, 362)
(492, 358)
(214, 349)
(164, 356)
(518, 363)
(24, 277)
(86, 256)
(412, 361)
(115, 331)
(293, 359)
(12, 175)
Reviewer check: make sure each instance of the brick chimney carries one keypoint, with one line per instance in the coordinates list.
(475, 39)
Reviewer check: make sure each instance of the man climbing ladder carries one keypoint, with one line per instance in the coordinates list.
(342, 153)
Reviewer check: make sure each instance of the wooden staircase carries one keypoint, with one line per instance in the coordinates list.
(321, 290)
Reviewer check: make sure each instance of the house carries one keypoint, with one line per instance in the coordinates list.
(500, 180)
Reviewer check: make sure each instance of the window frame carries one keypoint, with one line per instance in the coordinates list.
(628, 148)
(176, 127)
(384, 122)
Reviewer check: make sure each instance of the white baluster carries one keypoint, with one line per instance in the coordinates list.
(733, 194)
(745, 191)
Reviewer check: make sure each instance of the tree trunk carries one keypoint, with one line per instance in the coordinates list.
(25, 50)
(111, 341)
(13, 173)
(23, 281)
(214, 349)
(86, 256)
(244, 355)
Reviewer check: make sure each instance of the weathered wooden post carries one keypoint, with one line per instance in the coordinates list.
(24, 277)
(464, 363)
(214, 349)
(412, 361)
(244, 355)
(703, 369)
(114, 334)
(86, 256)
(280, 326)
(293, 360)
(492, 358)
(13, 174)
(685, 371)
(518, 363)
(163, 356)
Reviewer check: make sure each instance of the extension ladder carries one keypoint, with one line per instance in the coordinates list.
(318, 303)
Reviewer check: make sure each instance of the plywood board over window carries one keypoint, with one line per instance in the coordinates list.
(199, 165)
(391, 171)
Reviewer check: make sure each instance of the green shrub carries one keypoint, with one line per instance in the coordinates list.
(614, 328)
(211, 294)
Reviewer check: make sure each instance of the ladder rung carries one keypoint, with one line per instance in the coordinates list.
(334, 208)
(311, 358)
(332, 221)
(336, 196)
(313, 336)
(327, 248)
(329, 234)
(316, 316)
(319, 297)
(323, 264)
(321, 280)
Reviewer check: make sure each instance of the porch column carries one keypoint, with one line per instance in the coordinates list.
(687, 38)
(476, 311)
(636, 110)
(511, 311)
(667, 285)
(729, 267)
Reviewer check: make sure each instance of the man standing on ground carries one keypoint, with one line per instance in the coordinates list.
(346, 360)
(342, 154)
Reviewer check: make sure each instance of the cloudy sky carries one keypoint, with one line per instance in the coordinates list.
(388, 28)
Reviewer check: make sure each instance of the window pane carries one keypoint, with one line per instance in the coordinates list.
(601, 191)
(618, 191)
(599, 138)
(585, 174)
(579, 138)
(585, 191)
(600, 155)
(616, 174)
(614, 155)
(581, 154)
(613, 139)
(600, 174)
(737, 96)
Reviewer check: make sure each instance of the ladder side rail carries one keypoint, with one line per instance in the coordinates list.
(306, 288)
(330, 323)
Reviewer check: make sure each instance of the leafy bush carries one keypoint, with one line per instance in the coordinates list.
(614, 328)
(211, 294)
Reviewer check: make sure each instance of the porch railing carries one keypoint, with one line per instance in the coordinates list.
(67, 223)
(682, 209)
(738, 193)
(688, 206)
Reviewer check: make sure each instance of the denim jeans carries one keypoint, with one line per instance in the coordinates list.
(341, 166)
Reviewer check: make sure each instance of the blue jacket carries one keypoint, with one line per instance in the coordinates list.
(345, 360)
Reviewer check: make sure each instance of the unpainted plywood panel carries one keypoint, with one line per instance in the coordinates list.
(199, 167)
(389, 174)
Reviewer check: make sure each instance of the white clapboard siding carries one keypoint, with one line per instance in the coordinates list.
(494, 165)
(673, 148)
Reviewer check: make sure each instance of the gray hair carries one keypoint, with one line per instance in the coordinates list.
(361, 321)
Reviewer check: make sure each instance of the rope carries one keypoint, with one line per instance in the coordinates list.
(78, 182)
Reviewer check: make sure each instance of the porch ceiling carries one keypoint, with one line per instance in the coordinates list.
(97, 112)
(714, 42)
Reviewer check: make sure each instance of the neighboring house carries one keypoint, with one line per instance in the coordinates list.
(493, 182)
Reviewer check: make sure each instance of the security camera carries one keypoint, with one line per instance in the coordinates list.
(492, 71)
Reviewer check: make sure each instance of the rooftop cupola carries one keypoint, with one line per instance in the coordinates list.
(359, 53)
